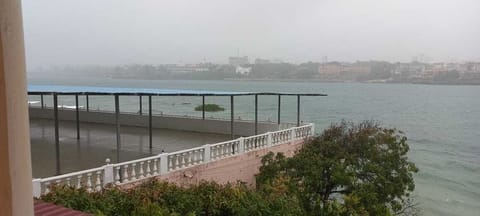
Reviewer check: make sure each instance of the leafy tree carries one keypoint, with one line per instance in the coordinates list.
(349, 169)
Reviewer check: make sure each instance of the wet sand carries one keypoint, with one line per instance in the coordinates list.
(98, 142)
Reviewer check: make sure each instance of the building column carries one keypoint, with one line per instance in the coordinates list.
(15, 163)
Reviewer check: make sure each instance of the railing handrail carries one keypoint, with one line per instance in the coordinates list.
(185, 150)
(136, 160)
(280, 131)
(258, 135)
(225, 142)
(71, 174)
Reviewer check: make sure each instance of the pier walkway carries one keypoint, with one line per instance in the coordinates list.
(98, 143)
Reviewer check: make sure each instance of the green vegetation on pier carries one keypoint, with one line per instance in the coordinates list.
(209, 108)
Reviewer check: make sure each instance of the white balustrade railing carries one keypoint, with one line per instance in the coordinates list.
(91, 179)
(186, 158)
(130, 171)
(224, 149)
(303, 131)
(257, 142)
(281, 136)
(137, 169)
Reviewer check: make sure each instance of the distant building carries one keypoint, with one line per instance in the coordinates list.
(411, 70)
(262, 61)
(243, 70)
(343, 71)
(330, 69)
(238, 61)
(189, 68)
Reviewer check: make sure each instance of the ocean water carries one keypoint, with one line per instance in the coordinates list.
(442, 122)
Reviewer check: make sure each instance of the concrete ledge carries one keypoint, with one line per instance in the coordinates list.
(242, 128)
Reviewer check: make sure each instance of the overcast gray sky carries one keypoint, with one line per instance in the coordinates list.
(107, 32)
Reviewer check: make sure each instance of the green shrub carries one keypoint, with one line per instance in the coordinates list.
(162, 198)
(350, 169)
(209, 108)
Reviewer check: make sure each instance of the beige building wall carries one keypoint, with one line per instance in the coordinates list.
(15, 166)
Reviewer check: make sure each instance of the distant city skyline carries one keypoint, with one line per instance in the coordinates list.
(113, 32)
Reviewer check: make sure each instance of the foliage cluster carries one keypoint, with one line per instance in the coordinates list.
(350, 169)
(209, 108)
(162, 198)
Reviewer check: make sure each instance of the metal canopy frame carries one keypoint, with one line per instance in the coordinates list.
(55, 91)
(88, 90)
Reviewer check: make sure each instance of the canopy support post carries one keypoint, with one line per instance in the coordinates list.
(140, 104)
(298, 110)
(117, 123)
(231, 117)
(203, 107)
(41, 100)
(256, 114)
(77, 113)
(57, 140)
(87, 102)
(279, 104)
(150, 120)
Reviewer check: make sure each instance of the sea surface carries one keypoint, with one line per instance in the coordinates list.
(442, 122)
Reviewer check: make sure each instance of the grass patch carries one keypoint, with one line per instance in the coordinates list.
(209, 108)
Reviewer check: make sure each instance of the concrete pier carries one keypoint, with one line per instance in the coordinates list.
(97, 142)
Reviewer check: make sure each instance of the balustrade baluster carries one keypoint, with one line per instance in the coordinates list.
(68, 181)
(194, 157)
(117, 175)
(155, 167)
(89, 182)
(202, 156)
(141, 176)
(149, 172)
(98, 183)
(133, 173)
(184, 160)
(199, 156)
(216, 152)
(179, 161)
(79, 181)
(170, 163)
(47, 187)
(125, 174)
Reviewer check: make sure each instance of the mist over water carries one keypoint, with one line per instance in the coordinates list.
(441, 123)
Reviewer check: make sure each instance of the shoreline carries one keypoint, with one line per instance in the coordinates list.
(309, 81)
